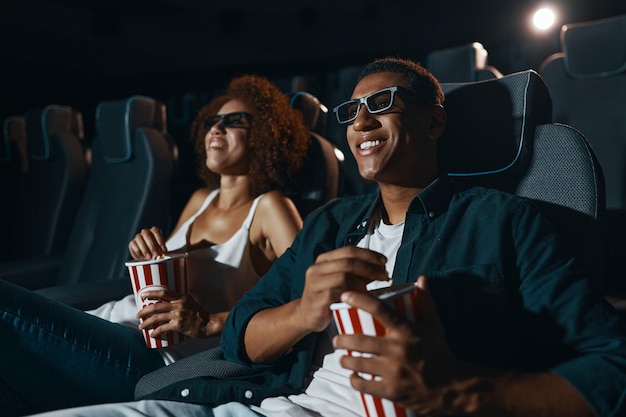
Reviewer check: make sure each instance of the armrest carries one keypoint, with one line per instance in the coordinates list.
(210, 363)
(89, 295)
(32, 273)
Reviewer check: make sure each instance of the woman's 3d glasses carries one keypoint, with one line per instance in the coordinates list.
(237, 119)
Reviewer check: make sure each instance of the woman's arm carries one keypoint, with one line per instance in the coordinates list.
(275, 224)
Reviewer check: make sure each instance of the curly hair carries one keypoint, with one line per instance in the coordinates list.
(278, 139)
(421, 81)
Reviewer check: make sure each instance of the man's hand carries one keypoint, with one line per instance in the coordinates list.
(345, 269)
(413, 361)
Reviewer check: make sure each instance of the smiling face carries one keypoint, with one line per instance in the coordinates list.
(397, 146)
(227, 151)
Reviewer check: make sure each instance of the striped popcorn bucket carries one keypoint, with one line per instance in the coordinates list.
(168, 272)
(351, 320)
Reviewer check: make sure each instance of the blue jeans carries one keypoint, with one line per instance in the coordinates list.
(54, 356)
(155, 408)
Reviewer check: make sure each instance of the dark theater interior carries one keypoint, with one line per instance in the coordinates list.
(88, 86)
(182, 53)
(79, 53)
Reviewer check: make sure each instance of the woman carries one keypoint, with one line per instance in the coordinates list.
(250, 141)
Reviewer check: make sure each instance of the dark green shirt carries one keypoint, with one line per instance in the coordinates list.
(508, 292)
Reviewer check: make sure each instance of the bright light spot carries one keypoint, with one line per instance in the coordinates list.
(544, 19)
(339, 155)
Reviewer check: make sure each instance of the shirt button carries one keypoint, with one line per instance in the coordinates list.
(248, 394)
(185, 392)
(431, 214)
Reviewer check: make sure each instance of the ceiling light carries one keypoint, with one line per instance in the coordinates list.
(544, 19)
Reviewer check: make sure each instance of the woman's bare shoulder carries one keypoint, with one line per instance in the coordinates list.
(198, 196)
(193, 204)
(276, 200)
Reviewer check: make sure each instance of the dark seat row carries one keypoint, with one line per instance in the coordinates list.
(92, 212)
(126, 187)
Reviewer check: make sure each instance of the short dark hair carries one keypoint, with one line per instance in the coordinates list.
(421, 81)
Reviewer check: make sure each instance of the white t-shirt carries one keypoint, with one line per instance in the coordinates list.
(330, 394)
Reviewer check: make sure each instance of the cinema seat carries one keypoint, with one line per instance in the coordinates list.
(587, 82)
(321, 177)
(52, 186)
(128, 188)
(464, 63)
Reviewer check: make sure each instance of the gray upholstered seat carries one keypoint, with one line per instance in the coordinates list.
(587, 82)
(321, 177)
(128, 188)
(464, 63)
(53, 184)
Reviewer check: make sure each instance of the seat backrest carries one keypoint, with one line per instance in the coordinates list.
(53, 185)
(315, 114)
(129, 188)
(464, 63)
(13, 150)
(500, 135)
(320, 178)
(13, 168)
(490, 130)
(565, 179)
(587, 82)
(181, 111)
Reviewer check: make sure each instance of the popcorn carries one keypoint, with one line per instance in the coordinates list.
(164, 272)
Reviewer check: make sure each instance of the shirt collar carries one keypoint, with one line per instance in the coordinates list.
(434, 199)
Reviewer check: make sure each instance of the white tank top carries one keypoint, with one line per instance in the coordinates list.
(217, 276)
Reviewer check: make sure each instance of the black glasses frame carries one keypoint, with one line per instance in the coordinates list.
(231, 120)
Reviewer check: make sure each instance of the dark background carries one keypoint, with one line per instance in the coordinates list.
(79, 53)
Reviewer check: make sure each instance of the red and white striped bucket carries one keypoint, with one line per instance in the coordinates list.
(351, 320)
(170, 272)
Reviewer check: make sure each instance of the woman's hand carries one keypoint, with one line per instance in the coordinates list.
(181, 313)
(147, 244)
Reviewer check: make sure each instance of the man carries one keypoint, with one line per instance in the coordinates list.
(511, 325)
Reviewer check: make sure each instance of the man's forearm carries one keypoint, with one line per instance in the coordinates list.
(515, 395)
(272, 332)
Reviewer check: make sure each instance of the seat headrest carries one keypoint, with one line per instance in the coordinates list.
(42, 124)
(595, 49)
(116, 122)
(182, 109)
(458, 64)
(314, 112)
(160, 117)
(13, 132)
(491, 124)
